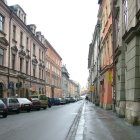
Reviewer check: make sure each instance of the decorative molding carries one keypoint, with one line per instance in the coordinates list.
(14, 48)
(28, 56)
(21, 52)
(34, 60)
(4, 41)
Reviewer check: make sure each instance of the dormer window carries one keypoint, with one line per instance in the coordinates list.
(24, 19)
(19, 13)
(1, 23)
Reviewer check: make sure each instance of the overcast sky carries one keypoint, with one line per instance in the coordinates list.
(68, 25)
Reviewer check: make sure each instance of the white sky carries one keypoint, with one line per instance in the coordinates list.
(68, 25)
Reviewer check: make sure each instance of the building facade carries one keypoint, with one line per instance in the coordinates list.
(93, 66)
(127, 60)
(20, 63)
(53, 72)
(106, 66)
(65, 82)
(73, 89)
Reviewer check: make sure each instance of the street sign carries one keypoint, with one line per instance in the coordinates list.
(110, 79)
(91, 88)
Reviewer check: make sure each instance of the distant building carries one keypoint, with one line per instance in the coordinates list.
(53, 72)
(65, 82)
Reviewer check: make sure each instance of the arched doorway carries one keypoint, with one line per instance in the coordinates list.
(1, 90)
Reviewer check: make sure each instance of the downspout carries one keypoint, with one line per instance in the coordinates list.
(30, 63)
(114, 48)
(9, 54)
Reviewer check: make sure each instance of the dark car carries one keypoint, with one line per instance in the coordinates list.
(3, 109)
(55, 101)
(12, 104)
(36, 105)
(25, 104)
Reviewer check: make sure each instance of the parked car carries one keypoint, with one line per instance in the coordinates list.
(35, 103)
(3, 109)
(67, 100)
(42, 98)
(12, 104)
(62, 100)
(25, 104)
(55, 101)
(72, 100)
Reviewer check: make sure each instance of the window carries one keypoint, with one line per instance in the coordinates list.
(14, 32)
(33, 49)
(19, 13)
(42, 56)
(21, 63)
(1, 56)
(39, 73)
(1, 23)
(42, 74)
(27, 42)
(27, 65)
(13, 61)
(39, 53)
(125, 5)
(21, 38)
(34, 69)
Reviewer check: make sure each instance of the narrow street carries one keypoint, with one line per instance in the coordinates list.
(51, 124)
(75, 121)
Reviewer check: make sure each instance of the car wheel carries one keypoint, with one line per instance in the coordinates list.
(18, 111)
(4, 115)
(44, 107)
(28, 110)
(38, 109)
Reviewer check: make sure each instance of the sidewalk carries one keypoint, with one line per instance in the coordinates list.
(98, 124)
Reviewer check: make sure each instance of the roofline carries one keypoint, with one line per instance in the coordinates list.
(53, 48)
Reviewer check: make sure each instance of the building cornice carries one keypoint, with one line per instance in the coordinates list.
(134, 31)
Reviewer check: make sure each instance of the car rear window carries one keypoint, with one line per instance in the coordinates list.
(23, 100)
(13, 101)
(43, 97)
(34, 99)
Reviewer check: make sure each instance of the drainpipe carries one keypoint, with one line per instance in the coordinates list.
(114, 48)
(9, 51)
(30, 62)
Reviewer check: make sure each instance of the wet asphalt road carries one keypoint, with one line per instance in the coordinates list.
(51, 124)
(75, 121)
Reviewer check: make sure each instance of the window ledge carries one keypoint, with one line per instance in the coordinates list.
(14, 40)
(2, 33)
